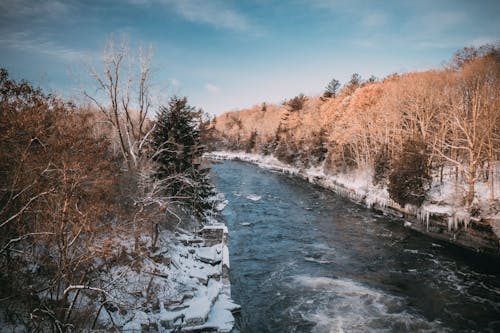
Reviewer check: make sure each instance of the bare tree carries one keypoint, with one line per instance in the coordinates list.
(473, 120)
(125, 84)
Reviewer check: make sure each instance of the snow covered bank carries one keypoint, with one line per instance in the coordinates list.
(437, 217)
(179, 285)
(183, 287)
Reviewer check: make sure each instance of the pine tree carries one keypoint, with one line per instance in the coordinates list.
(409, 179)
(178, 152)
(252, 141)
(332, 89)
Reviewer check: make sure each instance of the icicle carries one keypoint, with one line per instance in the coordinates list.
(427, 216)
(450, 222)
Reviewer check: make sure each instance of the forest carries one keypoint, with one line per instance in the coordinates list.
(414, 134)
(86, 191)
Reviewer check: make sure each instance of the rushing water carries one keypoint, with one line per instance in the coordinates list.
(305, 260)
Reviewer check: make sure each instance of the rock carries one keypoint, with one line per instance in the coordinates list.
(210, 255)
(495, 226)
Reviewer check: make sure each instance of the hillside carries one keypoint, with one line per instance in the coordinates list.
(428, 142)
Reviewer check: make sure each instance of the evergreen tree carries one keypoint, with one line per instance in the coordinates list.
(318, 148)
(252, 141)
(409, 179)
(178, 152)
(332, 89)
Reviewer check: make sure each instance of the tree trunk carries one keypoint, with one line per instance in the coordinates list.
(492, 179)
(471, 183)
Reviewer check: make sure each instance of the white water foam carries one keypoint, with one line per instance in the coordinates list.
(318, 261)
(343, 305)
(254, 197)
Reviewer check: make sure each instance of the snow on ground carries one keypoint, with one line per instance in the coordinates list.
(183, 286)
(357, 185)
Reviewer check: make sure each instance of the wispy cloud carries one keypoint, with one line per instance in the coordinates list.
(216, 13)
(25, 42)
(213, 89)
(35, 8)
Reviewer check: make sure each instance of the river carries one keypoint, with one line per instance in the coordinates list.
(306, 260)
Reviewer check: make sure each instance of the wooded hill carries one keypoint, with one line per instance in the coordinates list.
(412, 130)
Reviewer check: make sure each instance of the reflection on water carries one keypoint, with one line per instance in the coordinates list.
(305, 260)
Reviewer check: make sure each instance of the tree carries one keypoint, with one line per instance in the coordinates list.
(382, 165)
(355, 79)
(354, 83)
(296, 103)
(332, 89)
(409, 179)
(125, 100)
(178, 153)
(473, 120)
(318, 146)
(252, 140)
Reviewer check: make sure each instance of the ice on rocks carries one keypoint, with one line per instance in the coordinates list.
(210, 255)
(221, 205)
(189, 288)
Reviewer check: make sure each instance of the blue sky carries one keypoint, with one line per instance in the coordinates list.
(227, 55)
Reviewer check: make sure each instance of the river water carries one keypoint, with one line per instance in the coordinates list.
(306, 260)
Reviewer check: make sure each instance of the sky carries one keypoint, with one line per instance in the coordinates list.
(232, 54)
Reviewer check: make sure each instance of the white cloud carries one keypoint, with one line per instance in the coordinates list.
(216, 13)
(213, 89)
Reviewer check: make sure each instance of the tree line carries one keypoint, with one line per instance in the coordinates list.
(413, 130)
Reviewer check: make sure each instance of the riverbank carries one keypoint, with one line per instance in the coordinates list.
(182, 287)
(441, 221)
(181, 284)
